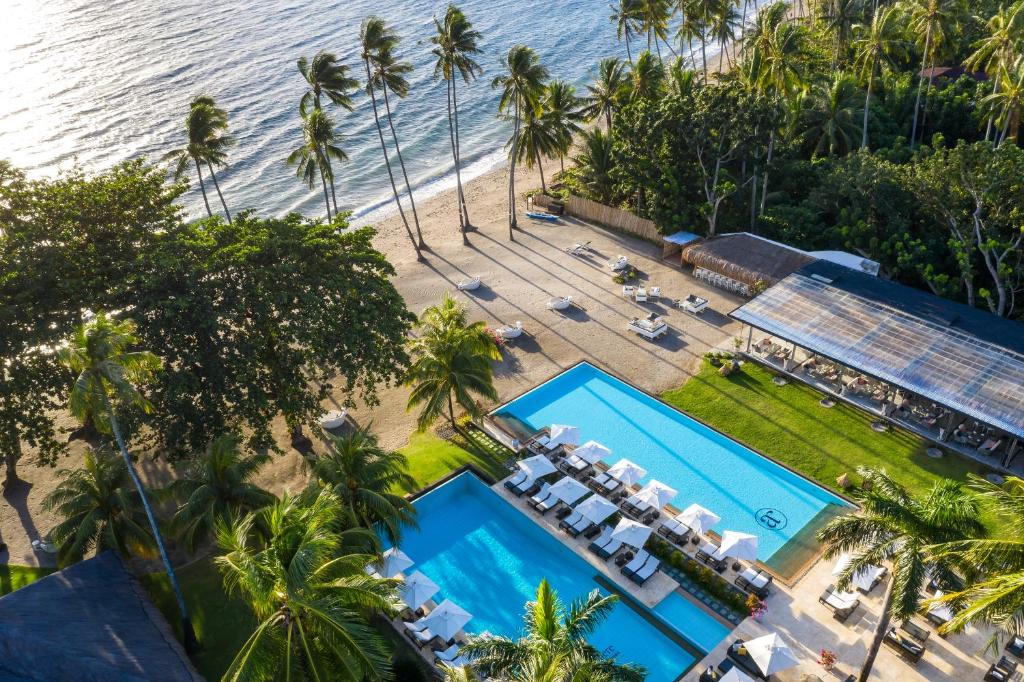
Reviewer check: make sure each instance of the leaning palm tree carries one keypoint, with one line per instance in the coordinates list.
(564, 114)
(594, 164)
(554, 644)
(896, 527)
(829, 122)
(626, 15)
(106, 376)
(934, 22)
(877, 47)
(376, 37)
(364, 475)
(99, 510)
(606, 94)
(1004, 105)
(521, 85)
(206, 130)
(692, 26)
(311, 597)
(537, 138)
(455, 46)
(218, 487)
(654, 16)
(451, 362)
(724, 22)
(999, 47)
(313, 157)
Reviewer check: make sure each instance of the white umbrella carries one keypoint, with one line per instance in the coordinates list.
(626, 471)
(394, 562)
(771, 654)
(738, 545)
(563, 435)
(631, 533)
(447, 619)
(568, 490)
(596, 509)
(698, 518)
(656, 494)
(592, 451)
(863, 579)
(417, 589)
(736, 675)
(536, 466)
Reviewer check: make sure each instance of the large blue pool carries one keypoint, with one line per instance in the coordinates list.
(488, 557)
(752, 494)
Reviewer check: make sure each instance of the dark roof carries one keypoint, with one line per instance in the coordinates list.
(959, 356)
(950, 72)
(746, 257)
(90, 621)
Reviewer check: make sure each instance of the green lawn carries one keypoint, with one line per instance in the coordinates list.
(788, 424)
(13, 577)
(431, 458)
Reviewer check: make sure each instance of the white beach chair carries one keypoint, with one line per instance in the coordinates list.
(559, 303)
(620, 263)
(637, 563)
(541, 495)
(578, 249)
(654, 293)
(641, 575)
(469, 284)
(641, 295)
(628, 290)
(509, 332)
(448, 655)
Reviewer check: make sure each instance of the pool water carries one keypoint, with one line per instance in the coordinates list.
(751, 493)
(488, 557)
(692, 621)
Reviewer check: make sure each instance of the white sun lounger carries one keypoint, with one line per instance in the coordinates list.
(620, 263)
(542, 494)
(511, 331)
(576, 463)
(448, 655)
(646, 571)
(637, 563)
(605, 483)
(559, 303)
(578, 249)
(469, 284)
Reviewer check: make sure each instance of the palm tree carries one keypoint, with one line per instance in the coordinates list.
(626, 16)
(932, 20)
(314, 156)
(106, 374)
(325, 75)
(564, 115)
(554, 644)
(218, 487)
(363, 476)
(840, 18)
(452, 361)
(605, 94)
(537, 138)
(692, 27)
(595, 165)
(98, 509)
(456, 44)
(654, 16)
(877, 46)
(680, 79)
(1004, 105)
(521, 86)
(830, 121)
(312, 599)
(896, 527)
(725, 20)
(646, 78)
(205, 129)
(702, 12)
(999, 47)
(376, 36)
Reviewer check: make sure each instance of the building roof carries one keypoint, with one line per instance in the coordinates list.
(950, 72)
(90, 621)
(682, 238)
(746, 257)
(958, 356)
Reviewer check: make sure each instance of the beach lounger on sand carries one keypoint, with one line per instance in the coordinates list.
(905, 646)
(470, 284)
(842, 604)
(578, 249)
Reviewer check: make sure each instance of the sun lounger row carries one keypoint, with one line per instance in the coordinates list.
(577, 524)
(675, 531)
(521, 483)
(641, 568)
(643, 511)
(708, 554)
(1001, 670)
(605, 546)
(603, 484)
(842, 604)
(451, 657)
(754, 581)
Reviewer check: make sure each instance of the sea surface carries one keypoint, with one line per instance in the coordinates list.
(88, 83)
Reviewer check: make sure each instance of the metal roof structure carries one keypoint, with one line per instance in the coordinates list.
(955, 355)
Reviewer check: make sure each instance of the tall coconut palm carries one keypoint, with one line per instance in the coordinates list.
(595, 164)
(840, 16)
(312, 598)
(376, 36)
(894, 526)
(98, 508)
(206, 130)
(829, 121)
(654, 16)
(680, 79)
(877, 46)
(605, 95)
(646, 79)
(218, 487)
(554, 644)
(363, 476)
(999, 47)
(521, 85)
(1004, 105)
(692, 26)
(313, 157)
(451, 362)
(537, 139)
(455, 44)
(628, 23)
(106, 374)
(564, 115)
(932, 21)
(725, 21)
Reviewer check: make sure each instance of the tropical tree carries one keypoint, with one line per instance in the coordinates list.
(99, 510)
(724, 23)
(554, 644)
(999, 47)
(522, 86)
(217, 487)
(646, 78)
(310, 594)
(608, 91)
(563, 115)
(840, 17)
(693, 26)
(363, 476)
(932, 21)
(894, 526)
(313, 157)
(654, 16)
(829, 121)
(1004, 104)
(106, 376)
(455, 46)
(594, 165)
(376, 37)
(206, 130)
(877, 47)
(628, 23)
(537, 138)
(451, 362)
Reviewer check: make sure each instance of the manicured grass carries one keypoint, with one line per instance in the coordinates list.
(431, 458)
(787, 424)
(13, 577)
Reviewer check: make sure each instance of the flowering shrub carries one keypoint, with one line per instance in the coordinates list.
(756, 607)
(827, 659)
(496, 336)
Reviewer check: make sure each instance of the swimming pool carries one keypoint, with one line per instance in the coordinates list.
(686, 617)
(488, 557)
(751, 493)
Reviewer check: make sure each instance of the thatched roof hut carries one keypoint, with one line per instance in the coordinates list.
(746, 258)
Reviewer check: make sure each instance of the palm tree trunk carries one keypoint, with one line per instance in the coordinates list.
(202, 185)
(405, 176)
(512, 178)
(387, 161)
(767, 165)
(540, 167)
(876, 640)
(451, 410)
(867, 103)
(608, 119)
(704, 56)
(217, 187)
(327, 197)
(991, 117)
(455, 159)
(458, 154)
(920, 84)
(927, 96)
(334, 199)
(189, 635)
(629, 55)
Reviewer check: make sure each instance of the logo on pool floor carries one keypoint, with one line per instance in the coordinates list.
(772, 519)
